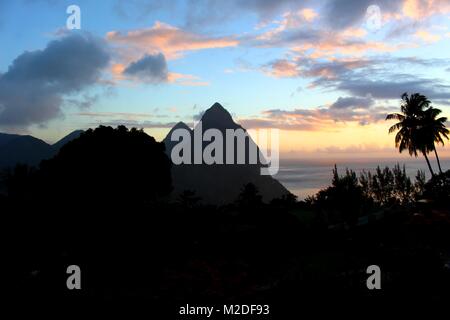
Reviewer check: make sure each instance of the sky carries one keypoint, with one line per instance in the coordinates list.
(325, 73)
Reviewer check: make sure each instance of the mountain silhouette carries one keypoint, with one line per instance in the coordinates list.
(29, 150)
(170, 144)
(71, 136)
(221, 183)
(219, 118)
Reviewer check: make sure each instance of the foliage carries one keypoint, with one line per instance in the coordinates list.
(350, 197)
(109, 165)
(249, 197)
(419, 127)
(438, 189)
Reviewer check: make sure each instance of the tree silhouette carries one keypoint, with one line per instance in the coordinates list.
(109, 166)
(344, 200)
(433, 130)
(415, 132)
(188, 199)
(249, 197)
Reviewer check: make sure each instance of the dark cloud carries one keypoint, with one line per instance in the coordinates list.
(352, 102)
(349, 109)
(338, 14)
(137, 124)
(394, 88)
(341, 14)
(377, 77)
(150, 68)
(287, 38)
(403, 28)
(206, 13)
(86, 102)
(33, 89)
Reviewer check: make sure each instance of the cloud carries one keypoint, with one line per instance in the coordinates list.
(33, 89)
(341, 14)
(282, 68)
(352, 102)
(171, 41)
(379, 77)
(317, 41)
(205, 14)
(427, 36)
(122, 115)
(421, 9)
(323, 69)
(394, 87)
(186, 80)
(86, 102)
(136, 124)
(357, 110)
(150, 68)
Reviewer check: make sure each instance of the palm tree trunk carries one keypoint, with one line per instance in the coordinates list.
(428, 162)
(438, 162)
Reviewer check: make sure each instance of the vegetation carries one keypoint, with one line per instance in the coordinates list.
(350, 197)
(419, 127)
(103, 203)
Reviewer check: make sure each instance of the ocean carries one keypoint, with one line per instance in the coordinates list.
(305, 177)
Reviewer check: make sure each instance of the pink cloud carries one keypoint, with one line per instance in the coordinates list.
(171, 41)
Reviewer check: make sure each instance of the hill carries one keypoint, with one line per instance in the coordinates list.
(29, 150)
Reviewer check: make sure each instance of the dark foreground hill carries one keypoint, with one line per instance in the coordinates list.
(100, 204)
(220, 183)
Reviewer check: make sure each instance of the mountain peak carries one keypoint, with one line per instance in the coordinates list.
(180, 125)
(217, 106)
(217, 117)
(71, 136)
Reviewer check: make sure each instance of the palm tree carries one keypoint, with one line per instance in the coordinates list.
(410, 122)
(433, 130)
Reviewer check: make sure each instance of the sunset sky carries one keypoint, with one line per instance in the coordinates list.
(325, 73)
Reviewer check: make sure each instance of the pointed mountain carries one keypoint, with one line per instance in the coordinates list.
(73, 135)
(220, 183)
(170, 144)
(218, 117)
(179, 125)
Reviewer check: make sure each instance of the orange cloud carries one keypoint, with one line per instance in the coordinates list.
(169, 40)
(420, 9)
(283, 69)
(308, 14)
(332, 45)
(344, 112)
(319, 42)
(186, 80)
(427, 36)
